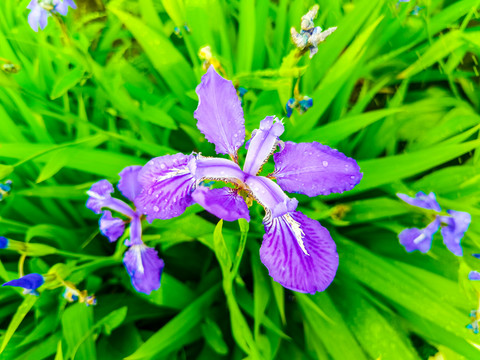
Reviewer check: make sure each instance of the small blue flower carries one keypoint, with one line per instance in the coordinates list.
(30, 283)
(475, 316)
(289, 106)
(42, 9)
(416, 10)
(5, 189)
(455, 226)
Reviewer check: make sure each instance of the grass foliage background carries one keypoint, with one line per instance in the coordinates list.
(398, 92)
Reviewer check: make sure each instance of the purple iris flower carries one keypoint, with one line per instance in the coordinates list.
(474, 275)
(42, 9)
(298, 252)
(142, 262)
(455, 226)
(30, 283)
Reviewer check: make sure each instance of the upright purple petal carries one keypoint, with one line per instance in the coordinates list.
(314, 169)
(422, 200)
(135, 231)
(262, 144)
(128, 184)
(167, 184)
(100, 198)
(474, 275)
(111, 227)
(218, 169)
(299, 253)
(144, 267)
(43, 19)
(270, 196)
(61, 6)
(34, 16)
(224, 203)
(419, 239)
(456, 227)
(29, 282)
(219, 113)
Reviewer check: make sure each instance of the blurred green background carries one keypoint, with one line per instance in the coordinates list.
(112, 84)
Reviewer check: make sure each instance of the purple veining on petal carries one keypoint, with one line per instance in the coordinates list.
(111, 227)
(262, 144)
(219, 113)
(419, 239)
(270, 196)
(29, 282)
(218, 169)
(144, 267)
(128, 183)
(474, 275)
(100, 197)
(167, 183)
(315, 169)
(422, 200)
(456, 227)
(299, 253)
(224, 203)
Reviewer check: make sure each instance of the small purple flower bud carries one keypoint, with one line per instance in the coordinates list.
(3, 242)
(29, 282)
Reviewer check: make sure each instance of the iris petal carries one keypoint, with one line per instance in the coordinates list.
(29, 282)
(262, 144)
(419, 239)
(128, 184)
(111, 227)
(314, 169)
(224, 203)
(422, 200)
(219, 113)
(167, 183)
(456, 227)
(299, 253)
(144, 267)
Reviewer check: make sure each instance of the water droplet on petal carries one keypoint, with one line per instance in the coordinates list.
(150, 191)
(325, 163)
(156, 208)
(162, 166)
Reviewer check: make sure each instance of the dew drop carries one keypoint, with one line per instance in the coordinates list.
(352, 177)
(150, 191)
(162, 166)
(325, 163)
(156, 208)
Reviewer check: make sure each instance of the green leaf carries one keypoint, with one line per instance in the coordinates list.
(56, 162)
(5, 170)
(213, 337)
(77, 321)
(66, 82)
(20, 314)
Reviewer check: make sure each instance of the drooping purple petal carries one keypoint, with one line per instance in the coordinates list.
(144, 267)
(270, 196)
(29, 282)
(262, 144)
(37, 16)
(299, 253)
(218, 169)
(167, 183)
(128, 183)
(314, 169)
(224, 203)
(419, 239)
(100, 197)
(456, 227)
(476, 256)
(219, 113)
(422, 200)
(3, 242)
(61, 6)
(474, 275)
(111, 227)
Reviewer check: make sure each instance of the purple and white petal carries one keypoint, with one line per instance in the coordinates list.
(219, 113)
(270, 196)
(144, 267)
(225, 203)
(61, 6)
(100, 198)
(34, 15)
(299, 253)
(135, 229)
(218, 169)
(456, 227)
(128, 183)
(167, 184)
(314, 169)
(474, 275)
(262, 144)
(419, 239)
(422, 200)
(111, 227)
